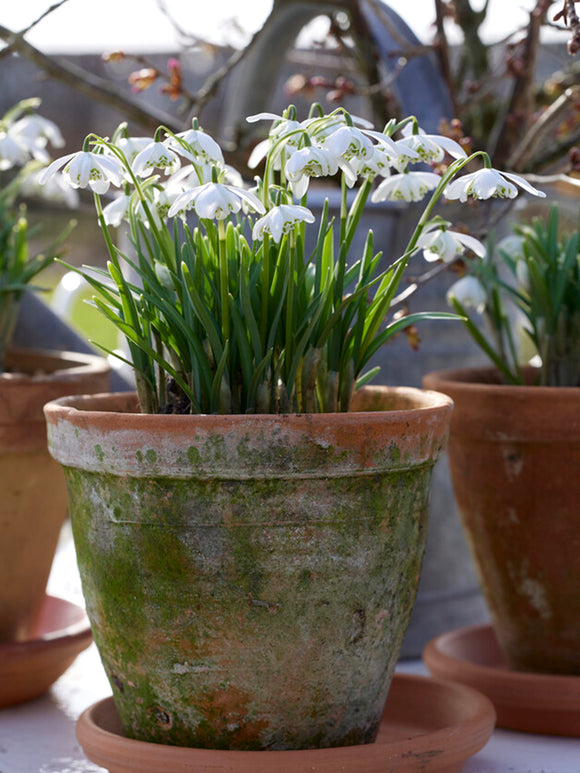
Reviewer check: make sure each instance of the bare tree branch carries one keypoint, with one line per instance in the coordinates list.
(571, 20)
(574, 24)
(545, 125)
(521, 104)
(88, 84)
(442, 52)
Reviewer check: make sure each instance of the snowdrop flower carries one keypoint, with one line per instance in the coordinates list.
(513, 245)
(319, 128)
(164, 276)
(279, 220)
(306, 163)
(407, 186)
(204, 149)
(36, 132)
(486, 183)
(163, 201)
(215, 200)
(188, 177)
(430, 147)
(13, 152)
(523, 275)
(84, 168)
(132, 146)
(400, 154)
(441, 244)
(469, 292)
(232, 176)
(156, 155)
(378, 163)
(348, 142)
(283, 127)
(279, 120)
(349, 146)
(117, 210)
(56, 189)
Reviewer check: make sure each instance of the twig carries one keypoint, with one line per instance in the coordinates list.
(177, 27)
(442, 52)
(574, 24)
(7, 50)
(88, 84)
(51, 9)
(543, 126)
(521, 103)
(212, 83)
(568, 13)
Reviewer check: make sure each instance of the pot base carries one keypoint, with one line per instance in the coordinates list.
(534, 703)
(427, 726)
(29, 667)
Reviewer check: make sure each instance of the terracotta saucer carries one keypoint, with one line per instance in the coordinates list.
(427, 726)
(29, 667)
(535, 703)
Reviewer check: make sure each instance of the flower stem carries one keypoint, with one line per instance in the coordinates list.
(265, 289)
(224, 281)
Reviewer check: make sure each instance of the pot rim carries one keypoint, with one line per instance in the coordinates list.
(74, 365)
(485, 379)
(75, 408)
(245, 445)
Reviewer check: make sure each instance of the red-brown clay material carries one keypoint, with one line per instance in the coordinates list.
(533, 703)
(29, 667)
(32, 486)
(427, 727)
(515, 463)
(250, 578)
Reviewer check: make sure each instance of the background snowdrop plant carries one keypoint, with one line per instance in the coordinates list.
(24, 139)
(223, 307)
(529, 291)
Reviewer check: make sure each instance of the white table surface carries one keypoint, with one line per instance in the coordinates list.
(39, 736)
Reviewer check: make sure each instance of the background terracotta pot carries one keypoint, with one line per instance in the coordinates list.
(249, 578)
(32, 486)
(515, 463)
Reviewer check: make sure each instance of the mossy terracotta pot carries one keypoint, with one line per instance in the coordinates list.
(514, 455)
(249, 579)
(33, 502)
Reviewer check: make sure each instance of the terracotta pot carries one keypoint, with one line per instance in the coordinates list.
(515, 462)
(32, 486)
(249, 579)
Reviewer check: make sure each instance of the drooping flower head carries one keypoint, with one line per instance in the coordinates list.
(429, 147)
(13, 152)
(132, 146)
(202, 149)
(36, 132)
(487, 183)
(306, 163)
(56, 189)
(87, 168)
(156, 155)
(280, 220)
(443, 244)
(284, 127)
(408, 186)
(469, 292)
(215, 201)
